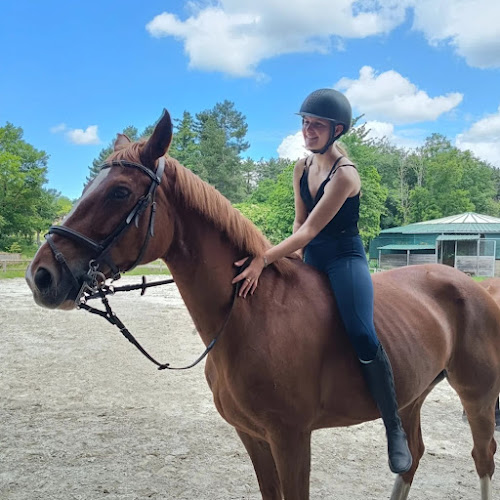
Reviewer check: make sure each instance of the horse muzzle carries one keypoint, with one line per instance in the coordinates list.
(52, 287)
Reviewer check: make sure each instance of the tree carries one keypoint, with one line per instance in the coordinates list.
(447, 183)
(233, 124)
(270, 169)
(391, 164)
(45, 212)
(282, 204)
(365, 156)
(221, 163)
(50, 208)
(248, 171)
(479, 180)
(184, 147)
(434, 145)
(271, 206)
(221, 132)
(422, 205)
(23, 172)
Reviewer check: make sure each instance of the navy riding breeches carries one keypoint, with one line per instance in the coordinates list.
(343, 259)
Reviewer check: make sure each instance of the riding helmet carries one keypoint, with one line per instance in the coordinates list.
(328, 104)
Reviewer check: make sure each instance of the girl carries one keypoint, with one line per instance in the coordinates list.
(327, 190)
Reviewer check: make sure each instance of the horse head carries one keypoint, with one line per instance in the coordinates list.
(112, 228)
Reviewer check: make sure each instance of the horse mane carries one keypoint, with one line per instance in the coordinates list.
(203, 198)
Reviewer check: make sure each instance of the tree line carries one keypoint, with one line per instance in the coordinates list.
(398, 186)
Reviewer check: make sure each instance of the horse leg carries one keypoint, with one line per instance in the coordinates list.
(481, 417)
(264, 466)
(291, 450)
(411, 424)
(410, 417)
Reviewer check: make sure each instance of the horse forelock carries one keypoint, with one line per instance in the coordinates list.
(128, 152)
(204, 199)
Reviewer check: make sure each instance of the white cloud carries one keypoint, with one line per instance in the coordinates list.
(483, 139)
(215, 40)
(292, 147)
(406, 139)
(379, 130)
(84, 137)
(236, 35)
(391, 97)
(56, 129)
(470, 26)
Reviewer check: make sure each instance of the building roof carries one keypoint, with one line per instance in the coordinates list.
(458, 237)
(407, 247)
(468, 222)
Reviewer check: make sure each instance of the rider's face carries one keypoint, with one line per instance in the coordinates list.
(316, 132)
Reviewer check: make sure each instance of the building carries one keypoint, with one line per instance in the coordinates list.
(470, 242)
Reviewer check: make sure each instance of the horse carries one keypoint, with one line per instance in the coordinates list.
(283, 365)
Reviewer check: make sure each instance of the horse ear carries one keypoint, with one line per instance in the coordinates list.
(121, 141)
(159, 142)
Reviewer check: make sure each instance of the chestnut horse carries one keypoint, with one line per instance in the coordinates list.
(283, 365)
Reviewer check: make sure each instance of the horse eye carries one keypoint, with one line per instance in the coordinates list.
(120, 193)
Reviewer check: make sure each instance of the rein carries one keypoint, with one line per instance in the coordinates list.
(103, 290)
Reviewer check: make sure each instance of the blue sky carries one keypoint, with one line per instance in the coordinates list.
(73, 74)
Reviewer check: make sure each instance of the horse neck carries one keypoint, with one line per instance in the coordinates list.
(201, 262)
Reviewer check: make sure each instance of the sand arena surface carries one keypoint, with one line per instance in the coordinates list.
(83, 415)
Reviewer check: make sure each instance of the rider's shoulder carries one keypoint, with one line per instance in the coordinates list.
(301, 164)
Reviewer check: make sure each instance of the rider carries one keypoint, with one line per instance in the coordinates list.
(327, 194)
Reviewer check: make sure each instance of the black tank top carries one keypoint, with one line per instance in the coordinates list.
(345, 221)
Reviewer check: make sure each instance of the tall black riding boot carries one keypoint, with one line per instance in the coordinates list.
(380, 380)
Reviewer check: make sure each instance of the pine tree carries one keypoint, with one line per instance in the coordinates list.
(184, 147)
(221, 132)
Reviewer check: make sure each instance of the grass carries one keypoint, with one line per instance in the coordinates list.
(148, 270)
(11, 274)
(157, 267)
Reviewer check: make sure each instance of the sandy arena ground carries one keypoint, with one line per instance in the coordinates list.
(83, 415)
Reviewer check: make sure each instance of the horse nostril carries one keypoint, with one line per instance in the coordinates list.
(43, 279)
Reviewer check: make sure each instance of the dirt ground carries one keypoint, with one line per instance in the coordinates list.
(84, 416)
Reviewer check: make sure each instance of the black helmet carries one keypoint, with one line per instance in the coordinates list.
(328, 104)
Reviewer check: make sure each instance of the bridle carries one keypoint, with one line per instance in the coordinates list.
(94, 283)
(102, 250)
